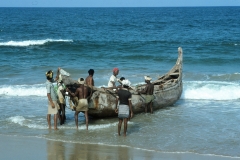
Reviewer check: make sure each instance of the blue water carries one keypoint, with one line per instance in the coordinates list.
(139, 41)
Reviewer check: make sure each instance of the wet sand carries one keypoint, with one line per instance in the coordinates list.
(22, 148)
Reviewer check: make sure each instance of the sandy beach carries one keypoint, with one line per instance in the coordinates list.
(22, 148)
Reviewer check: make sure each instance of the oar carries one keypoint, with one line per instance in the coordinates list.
(111, 94)
(138, 92)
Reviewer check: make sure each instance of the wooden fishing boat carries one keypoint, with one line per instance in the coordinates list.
(167, 90)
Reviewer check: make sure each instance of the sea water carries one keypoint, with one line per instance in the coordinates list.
(139, 41)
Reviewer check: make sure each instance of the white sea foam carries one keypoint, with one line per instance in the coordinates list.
(212, 90)
(21, 121)
(31, 42)
(209, 90)
(17, 119)
(23, 90)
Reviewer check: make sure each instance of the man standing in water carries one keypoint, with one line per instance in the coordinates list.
(149, 94)
(81, 92)
(62, 103)
(52, 100)
(89, 80)
(125, 106)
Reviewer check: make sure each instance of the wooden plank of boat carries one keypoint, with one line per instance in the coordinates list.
(167, 90)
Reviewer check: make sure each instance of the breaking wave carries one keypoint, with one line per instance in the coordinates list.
(211, 90)
(208, 90)
(32, 42)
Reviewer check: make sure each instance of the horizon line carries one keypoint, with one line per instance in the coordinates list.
(112, 6)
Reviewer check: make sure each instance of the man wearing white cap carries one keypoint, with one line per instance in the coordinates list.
(149, 93)
(125, 106)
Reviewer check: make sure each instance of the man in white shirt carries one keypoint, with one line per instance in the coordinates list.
(113, 79)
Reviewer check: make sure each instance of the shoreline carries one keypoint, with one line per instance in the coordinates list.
(16, 147)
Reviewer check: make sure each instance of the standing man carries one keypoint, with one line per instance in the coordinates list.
(52, 100)
(81, 92)
(62, 103)
(125, 106)
(113, 79)
(149, 94)
(89, 79)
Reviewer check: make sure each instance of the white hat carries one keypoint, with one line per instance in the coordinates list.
(147, 78)
(81, 81)
(126, 82)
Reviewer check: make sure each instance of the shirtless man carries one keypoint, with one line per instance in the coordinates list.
(149, 93)
(81, 92)
(89, 80)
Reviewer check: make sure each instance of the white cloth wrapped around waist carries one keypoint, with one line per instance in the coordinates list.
(123, 109)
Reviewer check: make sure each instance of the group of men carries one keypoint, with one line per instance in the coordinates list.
(56, 99)
(123, 98)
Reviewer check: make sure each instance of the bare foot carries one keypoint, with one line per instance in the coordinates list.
(55, 128)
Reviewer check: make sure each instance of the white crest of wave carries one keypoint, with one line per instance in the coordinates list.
(24, 90)
(210, 90)
(25, 122)
(17, 119)
(31, 42)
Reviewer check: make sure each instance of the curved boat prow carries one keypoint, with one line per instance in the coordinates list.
(180, 52)
(167, 90)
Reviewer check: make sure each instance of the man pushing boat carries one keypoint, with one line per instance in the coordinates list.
(149, 94)
(81, 92)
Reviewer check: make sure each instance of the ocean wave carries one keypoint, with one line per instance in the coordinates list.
(23, 90)
(41, 124)
(210, 90)
(228, 77)
(32, 42)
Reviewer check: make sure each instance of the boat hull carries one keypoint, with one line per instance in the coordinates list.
(167, 90)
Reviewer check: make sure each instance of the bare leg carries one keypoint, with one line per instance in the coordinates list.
(55, 121)
(125, 127)
(49, 120)
(60, 116)
(86, 117)
(76, 118)
(129, 118)
(119, 126)
(63, 113)
(151, 107)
